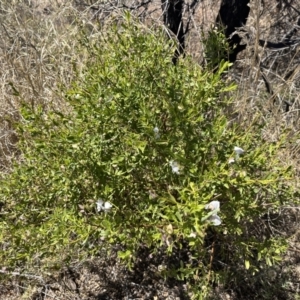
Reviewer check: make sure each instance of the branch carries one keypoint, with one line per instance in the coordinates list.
(22, 275)
(278, 46)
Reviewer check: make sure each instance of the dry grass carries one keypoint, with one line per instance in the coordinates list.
(38, 52)
(280, 68)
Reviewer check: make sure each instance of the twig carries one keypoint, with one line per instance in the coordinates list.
(22, 275)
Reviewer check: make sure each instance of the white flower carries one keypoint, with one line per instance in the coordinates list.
(156, 132)
(215, 219)
(238, 150)
(193, 235)
(101, 205)
(231, 160)
(175, 167)
(213, 205)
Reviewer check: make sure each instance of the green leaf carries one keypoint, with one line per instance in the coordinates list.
(124, 254)
(247, 264)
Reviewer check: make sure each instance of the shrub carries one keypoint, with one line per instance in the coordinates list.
(216, 47)
(152, 140)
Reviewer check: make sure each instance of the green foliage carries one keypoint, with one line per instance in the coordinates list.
(133, 116)
(216, 47)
